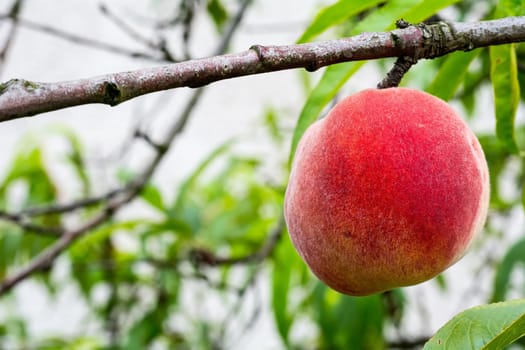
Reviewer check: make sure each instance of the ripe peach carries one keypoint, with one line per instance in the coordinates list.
(387, 191)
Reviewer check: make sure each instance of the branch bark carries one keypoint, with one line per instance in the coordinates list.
(20, 98)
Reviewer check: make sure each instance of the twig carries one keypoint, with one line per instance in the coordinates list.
(394, 76)
(80, 40)
(401, 65)
(13, 13)
(232, 26)
(19, 98)
(26, 225)
(159, 46)
(132, 33)
(139, 134)
(63, 208)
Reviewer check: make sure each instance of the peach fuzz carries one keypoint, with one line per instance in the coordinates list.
(387, 191)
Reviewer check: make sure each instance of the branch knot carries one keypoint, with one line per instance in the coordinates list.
(111, 93)
(436, 39)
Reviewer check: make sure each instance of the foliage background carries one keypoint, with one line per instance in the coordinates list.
(201, 260)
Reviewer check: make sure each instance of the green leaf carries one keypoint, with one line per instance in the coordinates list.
(145, 330)
(153, 196)
(504, 77)
(75, 156)
(487, 327)
(281, 276)
(29, 167)
(523, 197)
(451, 74)
(88, 255)
(515, 255)
(17, 247)
(333, 15)
(497, 157)
(337, 75)
(506, 8)
(385, 17)
(475, 76)
(426, 9)
(29, 174)
(218, 13)
(271, 121)
(345, 322)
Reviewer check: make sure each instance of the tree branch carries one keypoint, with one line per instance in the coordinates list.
(116, 199)
(401, 65)
(19, 98)
(394, 76)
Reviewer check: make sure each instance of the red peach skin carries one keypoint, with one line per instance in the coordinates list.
(387, 191)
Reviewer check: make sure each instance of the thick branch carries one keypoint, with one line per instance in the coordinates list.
(19, 98)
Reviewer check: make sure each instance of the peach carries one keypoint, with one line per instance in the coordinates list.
(387, 191)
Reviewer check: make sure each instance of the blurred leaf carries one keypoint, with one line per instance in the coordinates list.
(504, 77)
(333, 15)
(497, 156)
(271, 121)
(385, 17)
(281, 280)
(29, 175)
(441, 282)
(451, 74)
(146, 329)
(507, 8)
(88, 259)
(346, 322)
(426, 9)
(14, 328)
(75, 157)
(18, 247)
(514, 258)
(236, 210)
(474, 77)
(153, 196)
(523, 197)
(487, 327)
(218, 13)
(29, 168)
(337, 75)
(80, 343)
